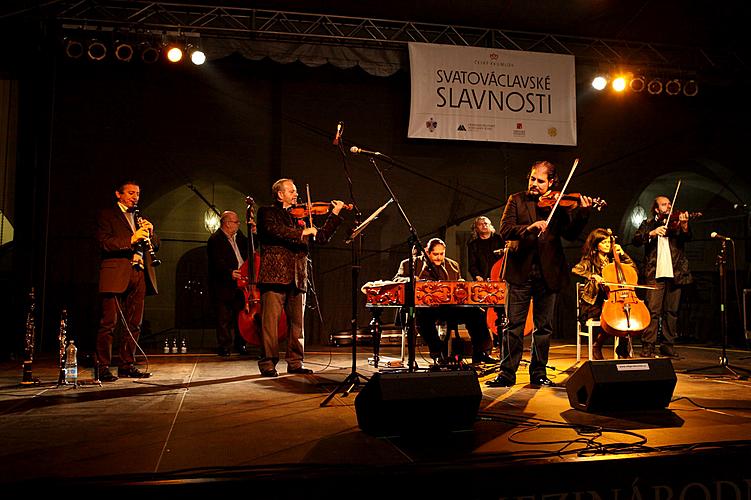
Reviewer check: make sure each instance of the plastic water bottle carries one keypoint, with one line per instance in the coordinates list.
(166, 346)
(174, 346)
(183, 346)
(71, 364)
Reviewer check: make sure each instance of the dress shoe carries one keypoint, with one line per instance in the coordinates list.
(500, 381)
(668, 350)
(622, 351)
(132, 372)
(647, 350)
(542, 382)
(484, 358)
(270, 373)
(105, 375)
(223, 352)
(300, 370)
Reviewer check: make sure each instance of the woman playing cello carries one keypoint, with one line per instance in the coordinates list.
(596, 254)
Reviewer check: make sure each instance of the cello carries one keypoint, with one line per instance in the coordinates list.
(249, 317)
(623, 313)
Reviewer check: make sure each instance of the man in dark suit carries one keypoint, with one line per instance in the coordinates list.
(283, 275)
(536, 271)
(126, 276)
(227, 249)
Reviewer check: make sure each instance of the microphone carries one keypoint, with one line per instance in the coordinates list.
(357, 151)
(717, 236)
(338, 136)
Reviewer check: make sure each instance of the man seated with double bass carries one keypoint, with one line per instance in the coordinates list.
(427, 317)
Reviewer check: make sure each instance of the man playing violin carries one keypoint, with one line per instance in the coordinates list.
(283, 275)
(227, 249)
(666, 268)
(536, 271)
(426, 317)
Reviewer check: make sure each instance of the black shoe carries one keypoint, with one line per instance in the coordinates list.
(500, 381)
(622, 351)
(132, 372)
(223, 352)
(668, 350)
(105, 375)
(647, 350)
(300, 370)
(542, 382)
(484, 358)
(270, 373)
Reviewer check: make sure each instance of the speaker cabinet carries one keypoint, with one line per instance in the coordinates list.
(413, 403)
(622, 385)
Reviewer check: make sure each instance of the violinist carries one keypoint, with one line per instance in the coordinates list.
(426, 318)
(227, 250)
(596, 254)
(480, 249)
(283, 275)
(536, 271)
(665, 267)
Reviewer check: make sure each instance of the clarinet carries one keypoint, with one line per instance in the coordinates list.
(147, 241)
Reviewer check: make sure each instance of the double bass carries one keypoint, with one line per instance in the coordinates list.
(491, 316)
(623, 313)
(249, 317)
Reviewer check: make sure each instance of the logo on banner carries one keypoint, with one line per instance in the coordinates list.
(461, 128)
(431, 124)
(519, 131)
(552, 131)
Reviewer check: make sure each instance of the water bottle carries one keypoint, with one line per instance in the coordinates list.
(183, 346)
(174, 346)
(166, 346)
(71, 364)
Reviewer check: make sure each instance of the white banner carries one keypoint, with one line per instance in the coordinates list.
(478, 94)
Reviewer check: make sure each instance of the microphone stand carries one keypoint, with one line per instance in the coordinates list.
(723, 360)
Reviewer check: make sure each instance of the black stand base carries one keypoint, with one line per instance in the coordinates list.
(728, 370)
(345, 386)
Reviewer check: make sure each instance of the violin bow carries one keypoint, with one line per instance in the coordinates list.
(310, 207)
(563, 190)
(672, 204)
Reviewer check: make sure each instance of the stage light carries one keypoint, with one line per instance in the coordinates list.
(73, 48)
(211, 221)
(619, 84)
(654, 86)
(673, 87)
(638, 214)
(599, 82)
(690, 88)
(123, 51)
(97, 50)
(637, 84)
(174, 54)
(198, 57)
(149, 54)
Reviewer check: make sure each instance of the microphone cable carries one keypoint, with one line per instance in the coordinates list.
(125, 323)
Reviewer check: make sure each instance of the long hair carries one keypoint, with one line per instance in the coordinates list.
(475, 233)
(589, 250)
(549, 168)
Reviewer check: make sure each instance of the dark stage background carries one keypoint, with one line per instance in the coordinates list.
(233, 126)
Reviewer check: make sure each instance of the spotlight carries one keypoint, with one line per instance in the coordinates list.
(673, 87)
(198, 57)
(149, 54)
(619, 84)
(690, 88)
(174, 54)
(73, 48)
(654, 86)
(97, 50)
(599, 82)
(123, 51)
(637, 84)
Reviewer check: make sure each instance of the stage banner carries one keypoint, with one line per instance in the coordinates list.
(479, 94)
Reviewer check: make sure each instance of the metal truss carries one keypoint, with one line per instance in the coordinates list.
(257, 24)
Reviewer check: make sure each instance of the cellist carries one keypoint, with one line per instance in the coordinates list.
(227, 250)
(596, 254)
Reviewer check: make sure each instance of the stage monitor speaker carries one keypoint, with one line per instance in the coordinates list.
(418, 402)
(622, 385)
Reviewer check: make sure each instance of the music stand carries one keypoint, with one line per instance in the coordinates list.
(353, 379)
(730, 370)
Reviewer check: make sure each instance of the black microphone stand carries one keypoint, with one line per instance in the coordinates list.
(733, 371)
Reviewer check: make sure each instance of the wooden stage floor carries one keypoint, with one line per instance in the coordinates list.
(205, 424)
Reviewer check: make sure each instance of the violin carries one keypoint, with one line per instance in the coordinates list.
(301, 210)
(569, 200)
(675, 218)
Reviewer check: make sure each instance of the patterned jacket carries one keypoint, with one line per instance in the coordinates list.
(677, 242)
(284, 252)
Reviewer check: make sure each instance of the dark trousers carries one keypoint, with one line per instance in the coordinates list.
(543, 302)
(472, 317)
(226, 311)
(131, 303)
(663, 302)
(291, 301)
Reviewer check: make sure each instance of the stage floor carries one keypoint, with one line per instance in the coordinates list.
(204, 422)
